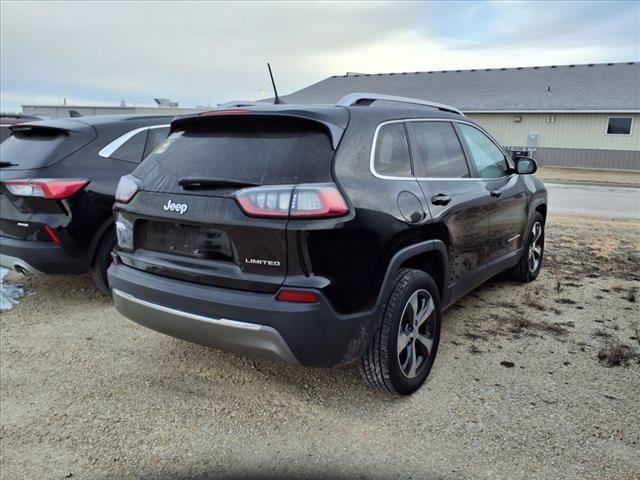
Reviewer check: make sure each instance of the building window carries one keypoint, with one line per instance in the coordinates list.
(619, 125)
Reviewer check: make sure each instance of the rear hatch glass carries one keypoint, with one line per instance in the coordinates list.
(33, 146)
(30, 148)
(251, 149)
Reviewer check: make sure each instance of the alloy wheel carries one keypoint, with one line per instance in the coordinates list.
(535, 247)
(416, 333)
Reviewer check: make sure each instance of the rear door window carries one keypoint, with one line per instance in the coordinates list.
(133, 149)
(263, 150)
(155, 137)
(439, 152)
(391, 155)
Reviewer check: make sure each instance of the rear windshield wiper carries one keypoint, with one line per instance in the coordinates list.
(208, 182)
(8, 164)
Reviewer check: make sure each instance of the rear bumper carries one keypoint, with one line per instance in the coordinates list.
(250, 323)
(225, 334)
(39, 257)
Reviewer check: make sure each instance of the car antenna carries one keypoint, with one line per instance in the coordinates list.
(276, 100)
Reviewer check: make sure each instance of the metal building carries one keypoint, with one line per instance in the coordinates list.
(569, 115)
(164, 107)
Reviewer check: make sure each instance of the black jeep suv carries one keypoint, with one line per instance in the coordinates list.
(319, 235)
(58, 181)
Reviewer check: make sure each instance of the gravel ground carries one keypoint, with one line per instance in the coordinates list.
(526, 386)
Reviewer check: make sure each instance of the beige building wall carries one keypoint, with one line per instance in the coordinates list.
(560, 130)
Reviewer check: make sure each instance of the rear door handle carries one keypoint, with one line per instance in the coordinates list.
(496, 193)
(441, 199)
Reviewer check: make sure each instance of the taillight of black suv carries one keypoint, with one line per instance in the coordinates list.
(320, 235)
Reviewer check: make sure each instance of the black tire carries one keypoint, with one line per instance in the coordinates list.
(102, 259)
(525, 271)
(382, 365)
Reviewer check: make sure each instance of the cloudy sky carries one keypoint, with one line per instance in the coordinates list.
(200, 53)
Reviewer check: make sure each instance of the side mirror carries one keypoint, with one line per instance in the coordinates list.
(526, 166)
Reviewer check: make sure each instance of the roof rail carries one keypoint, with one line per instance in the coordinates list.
(368, 98)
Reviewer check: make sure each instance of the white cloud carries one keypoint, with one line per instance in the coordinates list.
(208, 52)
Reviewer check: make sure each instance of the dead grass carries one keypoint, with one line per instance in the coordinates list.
(614, 354)
(520, 326)
(531, 301)
(570, 257)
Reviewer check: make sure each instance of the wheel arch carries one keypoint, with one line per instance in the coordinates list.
(541, 208)
(430, 256)
(97, 237)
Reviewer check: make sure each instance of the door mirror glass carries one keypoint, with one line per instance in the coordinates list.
(526, 165)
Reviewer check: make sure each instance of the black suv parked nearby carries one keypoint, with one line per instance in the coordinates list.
(319, 235)
(58, 181)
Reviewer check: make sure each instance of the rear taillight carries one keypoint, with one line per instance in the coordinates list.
(289, 201)
(51, 188)
(128, 186)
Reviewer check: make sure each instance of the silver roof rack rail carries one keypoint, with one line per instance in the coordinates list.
(369, 98)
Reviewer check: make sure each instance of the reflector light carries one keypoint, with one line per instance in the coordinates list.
(50, 188)
(297, 296)
(52, 234)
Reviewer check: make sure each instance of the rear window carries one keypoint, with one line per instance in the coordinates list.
(265, 150)
(30, 149)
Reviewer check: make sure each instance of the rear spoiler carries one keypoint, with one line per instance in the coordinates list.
(334, 122)
(30, 128)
